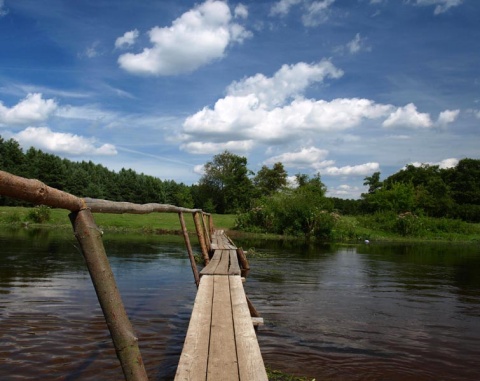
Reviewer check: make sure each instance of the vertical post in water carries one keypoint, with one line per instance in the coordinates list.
(189, 249)
(201, 238)
(206, 231)
(121, 330)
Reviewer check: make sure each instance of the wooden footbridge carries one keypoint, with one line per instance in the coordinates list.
(221, 343)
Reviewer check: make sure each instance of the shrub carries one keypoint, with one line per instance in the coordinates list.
(39, 214)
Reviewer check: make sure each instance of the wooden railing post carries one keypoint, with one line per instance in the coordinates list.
(121, 330)
(201, 237)
(189, 249)
(206, 231)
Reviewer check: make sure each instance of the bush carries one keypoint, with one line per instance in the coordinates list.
(408, 224)
(39, 214)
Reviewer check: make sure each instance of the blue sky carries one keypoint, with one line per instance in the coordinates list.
(343, 88)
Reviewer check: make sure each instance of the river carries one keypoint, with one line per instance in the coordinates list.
(364, 312)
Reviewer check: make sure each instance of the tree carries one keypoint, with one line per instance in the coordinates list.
(373, 182)
(268, 181)
(227, 183)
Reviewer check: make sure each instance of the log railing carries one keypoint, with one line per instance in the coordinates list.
(89, 237)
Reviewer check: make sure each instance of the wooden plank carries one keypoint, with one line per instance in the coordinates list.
(224, 264)
(234, 266)
(250, 361)
(213, 264)
(222, 361)
(194, 358)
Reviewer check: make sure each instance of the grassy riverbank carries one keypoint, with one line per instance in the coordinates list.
(348, 229)
(144, 223)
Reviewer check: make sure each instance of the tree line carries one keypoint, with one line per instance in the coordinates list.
(228, 186)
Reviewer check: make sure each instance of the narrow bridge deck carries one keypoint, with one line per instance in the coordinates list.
(221, 343)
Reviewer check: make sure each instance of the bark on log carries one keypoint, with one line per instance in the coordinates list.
(121, 330)
(242, 258)
(105, 206)
(201, 238)
(189, 249)
(38, 193)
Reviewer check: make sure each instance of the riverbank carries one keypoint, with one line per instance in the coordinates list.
(348, 229)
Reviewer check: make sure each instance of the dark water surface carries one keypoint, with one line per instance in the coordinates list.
(369, 312)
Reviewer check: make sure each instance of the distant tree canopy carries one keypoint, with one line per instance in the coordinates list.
(228, 186)
(428, 190)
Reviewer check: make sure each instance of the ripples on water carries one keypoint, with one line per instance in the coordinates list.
(360, 313)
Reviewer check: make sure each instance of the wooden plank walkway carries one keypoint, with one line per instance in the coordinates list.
(221, 344)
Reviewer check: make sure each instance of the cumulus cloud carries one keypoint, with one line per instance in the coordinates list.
(33, 108)
(355, 170)
(306, 157)
(208, 147)
(446, 117)
(61, 143)
(408, 116)
(127, 40)
(443, 164)
(441, 6)
(196, 38)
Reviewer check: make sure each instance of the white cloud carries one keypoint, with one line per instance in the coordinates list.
(443, 164)
(441, 6)
(446, 117)
(127, 40)
(344, 191)
(199, 169)
(241, 11)
(408, 116)
(357, 44)
(57, 142)
(272, 109)
(316, 13)
(356, 170)
(282, 7)
(290, 81)
(32, 109)
(306, 157)
(3, 10)
(196, 38)
(209, 148)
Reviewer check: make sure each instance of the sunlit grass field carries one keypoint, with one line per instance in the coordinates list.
(138, 222)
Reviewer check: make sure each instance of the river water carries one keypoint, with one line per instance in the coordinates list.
(364, 312)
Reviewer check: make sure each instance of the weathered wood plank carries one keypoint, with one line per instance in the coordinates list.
(234, 266)
(250, 362)
(222, 361)
(213, 264)
(224, 264)
(194, 358)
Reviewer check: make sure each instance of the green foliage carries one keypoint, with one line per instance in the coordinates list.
(303, 211)
(39, 214)
(268, 181)
(226, 181)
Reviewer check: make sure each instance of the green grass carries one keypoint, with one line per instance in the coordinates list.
(130, 222)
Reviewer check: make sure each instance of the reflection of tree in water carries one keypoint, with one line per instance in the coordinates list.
(33, 254)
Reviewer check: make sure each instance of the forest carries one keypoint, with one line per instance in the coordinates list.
(263, 199)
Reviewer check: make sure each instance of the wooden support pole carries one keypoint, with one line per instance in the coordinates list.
(210, 224)
(242, 258)
(121, 330)
(189, 249)
(206, 231)
(201, 238)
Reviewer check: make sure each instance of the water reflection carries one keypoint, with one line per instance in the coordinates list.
(367, 312)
